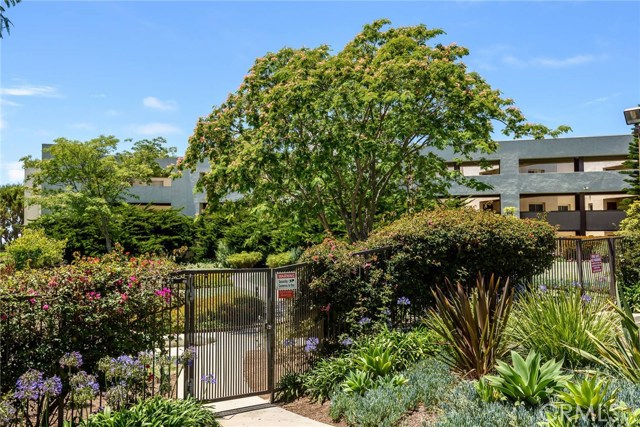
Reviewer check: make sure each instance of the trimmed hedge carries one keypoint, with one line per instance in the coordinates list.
(279, 260)
(244, 259)
(424, 249)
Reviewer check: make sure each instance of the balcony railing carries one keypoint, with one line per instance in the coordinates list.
(570, 221)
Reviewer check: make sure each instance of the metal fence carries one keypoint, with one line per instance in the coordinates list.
(586, 263)
(250, 327)
(21, 336)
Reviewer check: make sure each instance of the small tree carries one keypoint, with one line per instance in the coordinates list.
(11, 212)
(89, 179)
(631, 165)
(344, 137)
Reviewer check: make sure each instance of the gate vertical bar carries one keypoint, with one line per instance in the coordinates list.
(613, 289)
(189, 330)
(579, 258)
(271, 331)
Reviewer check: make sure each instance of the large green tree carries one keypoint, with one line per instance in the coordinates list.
(632, 166)
(336, 136)
(5, 23)
(88, 179)
(11, 212)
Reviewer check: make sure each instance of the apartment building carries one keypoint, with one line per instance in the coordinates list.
(575, 183)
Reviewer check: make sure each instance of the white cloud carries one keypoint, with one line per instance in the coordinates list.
(8, 103)
(156, 129)
(551, 62)
(600, 100)
(27, 90)
(157, 104)
(13, 172)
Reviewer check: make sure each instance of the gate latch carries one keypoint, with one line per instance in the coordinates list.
(267, 326)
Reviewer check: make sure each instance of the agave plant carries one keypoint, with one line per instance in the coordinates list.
(526, 380)
(589, 398)
(377, 362)
(473, 326)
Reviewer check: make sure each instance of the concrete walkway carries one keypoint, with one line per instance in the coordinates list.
(273, 416)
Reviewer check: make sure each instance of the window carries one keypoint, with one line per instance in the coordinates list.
(536, 207)
(612, 206)
(535, 170)
(563, 208)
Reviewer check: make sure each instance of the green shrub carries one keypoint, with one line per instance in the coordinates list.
(384, 405)
(526, 380)
(590, 397)
(34, 249)
(552, 322)
(473, 326)
(327, 375)
(629, 257)
(290, 387)
(240, 310)
(156, 411)
(463, 408)
(244, 259)
(423, 250)
(280, 260)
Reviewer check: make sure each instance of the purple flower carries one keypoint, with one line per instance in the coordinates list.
(386, 312)
(542, 288)
(586, 298)
(7, 412)
(347, 342)
(311, 345)
(403, 301)
(289, 342)
(31, 386)
(188, 356)
(364, 321)
(71, 360)
(208, 379)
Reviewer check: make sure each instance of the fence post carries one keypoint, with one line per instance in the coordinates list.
(271, 331)
(189, 329)
(613, 288)
(579, 257)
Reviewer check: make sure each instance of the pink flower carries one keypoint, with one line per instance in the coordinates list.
(45, 307)
(3, 317)
(124, 297)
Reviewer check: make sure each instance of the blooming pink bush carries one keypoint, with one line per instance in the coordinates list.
(96, 306)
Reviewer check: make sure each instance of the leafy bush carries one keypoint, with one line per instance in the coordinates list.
(473, 327)
(156, 411)
(244, 259)
(423, 250)
(629, 257)
(462, 407)
(589, 398)
(406, 349)
(290, 387)
(96, 306)
(552, 322)
(34, 249)
(425, 383)
(280, 260)
(240, 310)
(527, 380)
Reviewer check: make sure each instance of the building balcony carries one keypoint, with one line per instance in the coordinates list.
(608, 220)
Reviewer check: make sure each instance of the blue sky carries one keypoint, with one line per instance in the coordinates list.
(143, 69)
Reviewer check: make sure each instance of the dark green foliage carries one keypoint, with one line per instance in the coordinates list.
(473, 326)
(11, 212)
(629, 257)
(279, 260)
(631, 166)
(423, 250)
(244, 259)
(290, 387)
(156, 412)
(138, 229)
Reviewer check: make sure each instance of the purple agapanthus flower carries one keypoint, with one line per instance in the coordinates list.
(311, 344)
(32, 386)
(188, 356)
(347, 342)
(289, 342)
(7, 413)
(543, 288)
(71, 360)
(586, 298)
(404, 301)
(364, 321)
(208, 379)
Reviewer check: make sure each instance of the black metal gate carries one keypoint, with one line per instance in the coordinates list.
(248, 327)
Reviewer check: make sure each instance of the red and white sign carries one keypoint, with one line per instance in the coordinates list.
(596, 263)
(284, 294)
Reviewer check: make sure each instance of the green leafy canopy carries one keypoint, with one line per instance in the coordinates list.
(337, 136)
